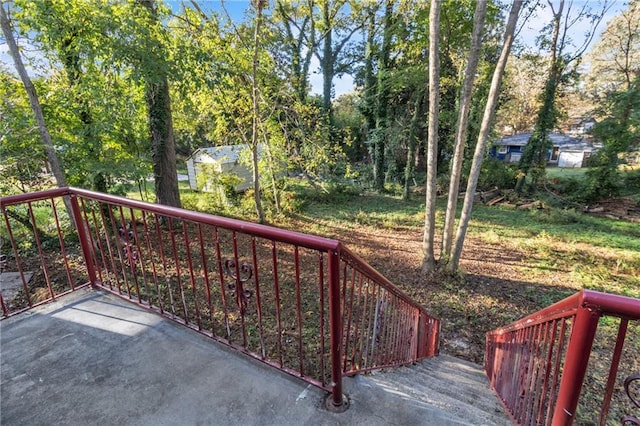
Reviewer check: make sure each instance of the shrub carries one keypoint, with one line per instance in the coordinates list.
(497, 173)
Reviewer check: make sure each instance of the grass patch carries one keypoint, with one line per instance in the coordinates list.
(566, 172)
(567, 226)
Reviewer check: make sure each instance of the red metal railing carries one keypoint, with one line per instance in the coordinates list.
(557, 366)
(304, 304)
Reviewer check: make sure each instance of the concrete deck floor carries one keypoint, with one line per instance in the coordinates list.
(92, 358)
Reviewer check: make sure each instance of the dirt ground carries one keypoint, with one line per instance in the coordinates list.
(495, 289)
(498, 284)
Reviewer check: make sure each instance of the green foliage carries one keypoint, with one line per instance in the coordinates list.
(604, 233)
(557, 216)
(93, 110)
(571, 188)
(331, 193)
(495, 173)
(23, 157)
(219, 186)
(348, 118)
(631, 180)
(620, 131)
(22, 231)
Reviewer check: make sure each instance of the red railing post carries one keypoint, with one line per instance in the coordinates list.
(336, 401)
(83, 237)
(575, 365)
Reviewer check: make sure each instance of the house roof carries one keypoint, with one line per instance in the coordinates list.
(558, 139)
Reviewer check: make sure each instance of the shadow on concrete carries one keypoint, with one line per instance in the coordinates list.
(91, 358)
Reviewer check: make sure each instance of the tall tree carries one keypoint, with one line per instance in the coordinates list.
(464, 107)
(160, 120)
(382, 99)
(369, 90)
(45, 136)
(521, 93)
(614, 61)
(614, 83)
(255, 97)
(296, 23)
(414, 128)
(483, 136)
(428, 241)
(561, 65)
(339, 21)
(24, 160)
(73, 37)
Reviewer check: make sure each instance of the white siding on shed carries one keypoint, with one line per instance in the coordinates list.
(191, 172)
(226, 159)
(570, 159)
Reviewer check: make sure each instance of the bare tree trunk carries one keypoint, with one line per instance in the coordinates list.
(45, 137)
(461, 130)
(485, 127)
(332, 47)
(429, 260)
(259, 5)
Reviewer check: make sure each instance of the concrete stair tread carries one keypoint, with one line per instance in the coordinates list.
(451, 384)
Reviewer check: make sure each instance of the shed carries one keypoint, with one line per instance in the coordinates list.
(566, 151)
(223, 159)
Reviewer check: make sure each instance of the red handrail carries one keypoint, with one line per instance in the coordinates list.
(126, 263)
(264, 231)
(533, 371)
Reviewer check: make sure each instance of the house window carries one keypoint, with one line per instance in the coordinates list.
(503, 149)
(555, 153)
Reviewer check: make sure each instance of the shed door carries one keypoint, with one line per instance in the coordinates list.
(570, 159)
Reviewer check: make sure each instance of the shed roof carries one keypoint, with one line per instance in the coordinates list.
(230, 153)
(558, 139)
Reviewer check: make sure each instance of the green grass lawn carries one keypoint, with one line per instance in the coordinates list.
(565, 172)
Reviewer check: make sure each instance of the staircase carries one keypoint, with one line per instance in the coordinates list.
(134, 367)
(456, 387)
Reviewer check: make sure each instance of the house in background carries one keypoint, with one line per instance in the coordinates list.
(566, 152)
(218, 159)
(579, 126)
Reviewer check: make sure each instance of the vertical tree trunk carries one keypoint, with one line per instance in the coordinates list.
(255, 95)
(304, 83)
(382, 100)
(369, 78)
(429, 261)
(413, 145)
(162, 142)
(534, 157)
(328, 61)
(296, 34)
(461, 130)
(485, 127)
(163, 148)
(45, 137)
